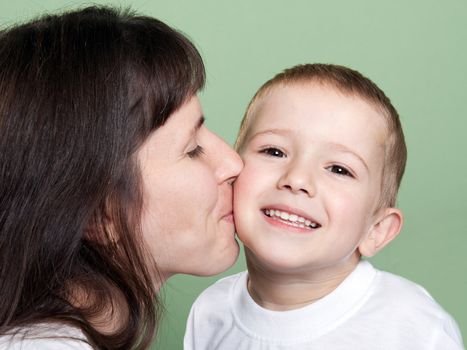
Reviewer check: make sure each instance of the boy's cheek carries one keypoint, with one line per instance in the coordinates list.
(241, 185)
(247, 180)
(245, 190)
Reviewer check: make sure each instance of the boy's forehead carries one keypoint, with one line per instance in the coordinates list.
(305, 100)
(317, 113)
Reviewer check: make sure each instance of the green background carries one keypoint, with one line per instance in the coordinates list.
(416, 51)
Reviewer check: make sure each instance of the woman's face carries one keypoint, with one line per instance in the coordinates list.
(187, 172)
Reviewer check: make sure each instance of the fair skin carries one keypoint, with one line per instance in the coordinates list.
(307, 200)
(187, 174)
(187, 220)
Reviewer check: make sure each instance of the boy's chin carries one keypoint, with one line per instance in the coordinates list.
(273, 261)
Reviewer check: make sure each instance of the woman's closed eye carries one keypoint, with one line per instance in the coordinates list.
(196, 152)
(340, 170)
(273, 152)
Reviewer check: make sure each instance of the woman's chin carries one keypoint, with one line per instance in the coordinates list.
(227, 259)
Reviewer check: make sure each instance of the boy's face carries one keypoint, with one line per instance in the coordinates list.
(308, 194)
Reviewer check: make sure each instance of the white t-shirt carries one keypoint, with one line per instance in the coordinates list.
(369, 310)
(45, 336)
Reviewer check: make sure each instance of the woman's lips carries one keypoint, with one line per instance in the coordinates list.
(229, 217)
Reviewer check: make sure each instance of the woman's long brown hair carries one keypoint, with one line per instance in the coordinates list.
(79, 94)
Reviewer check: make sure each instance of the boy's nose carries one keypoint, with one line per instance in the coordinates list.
(298, 179)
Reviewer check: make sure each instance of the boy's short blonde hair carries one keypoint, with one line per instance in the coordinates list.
(349, 82)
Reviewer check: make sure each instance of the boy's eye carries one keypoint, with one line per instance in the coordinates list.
(273, 152)
(196, 152)
(340, 170)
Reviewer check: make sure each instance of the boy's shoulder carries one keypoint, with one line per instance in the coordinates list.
(388, 291)
(221, 290)
(402, 291)
(214, 308)
(401, 310)
(398, 298)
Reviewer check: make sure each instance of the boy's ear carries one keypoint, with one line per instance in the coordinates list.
(386, 227)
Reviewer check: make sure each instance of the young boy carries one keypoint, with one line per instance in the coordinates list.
(324, 155)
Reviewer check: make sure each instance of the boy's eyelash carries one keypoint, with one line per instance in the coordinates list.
(336, 169)
(273, 152)
(196, 152)
(340, 170)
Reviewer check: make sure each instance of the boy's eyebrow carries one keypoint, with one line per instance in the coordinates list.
(336, 146)
(341, 148)
(273, 131)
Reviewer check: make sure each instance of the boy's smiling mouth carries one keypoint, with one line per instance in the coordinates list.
(291, 219)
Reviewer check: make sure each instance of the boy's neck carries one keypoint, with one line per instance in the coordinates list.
(281, 291)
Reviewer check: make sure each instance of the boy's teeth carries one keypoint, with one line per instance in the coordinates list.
(297, 220)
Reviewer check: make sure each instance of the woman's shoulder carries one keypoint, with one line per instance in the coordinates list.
(45, 336)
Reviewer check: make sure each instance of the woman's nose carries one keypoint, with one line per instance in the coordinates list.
(298, 178)
(229, 164)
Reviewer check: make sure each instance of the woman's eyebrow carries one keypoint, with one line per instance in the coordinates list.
(199, 124)
(194, 130)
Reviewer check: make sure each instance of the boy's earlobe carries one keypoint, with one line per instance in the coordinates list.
(385, 229)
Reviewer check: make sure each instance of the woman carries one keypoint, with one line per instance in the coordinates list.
(109, 181)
